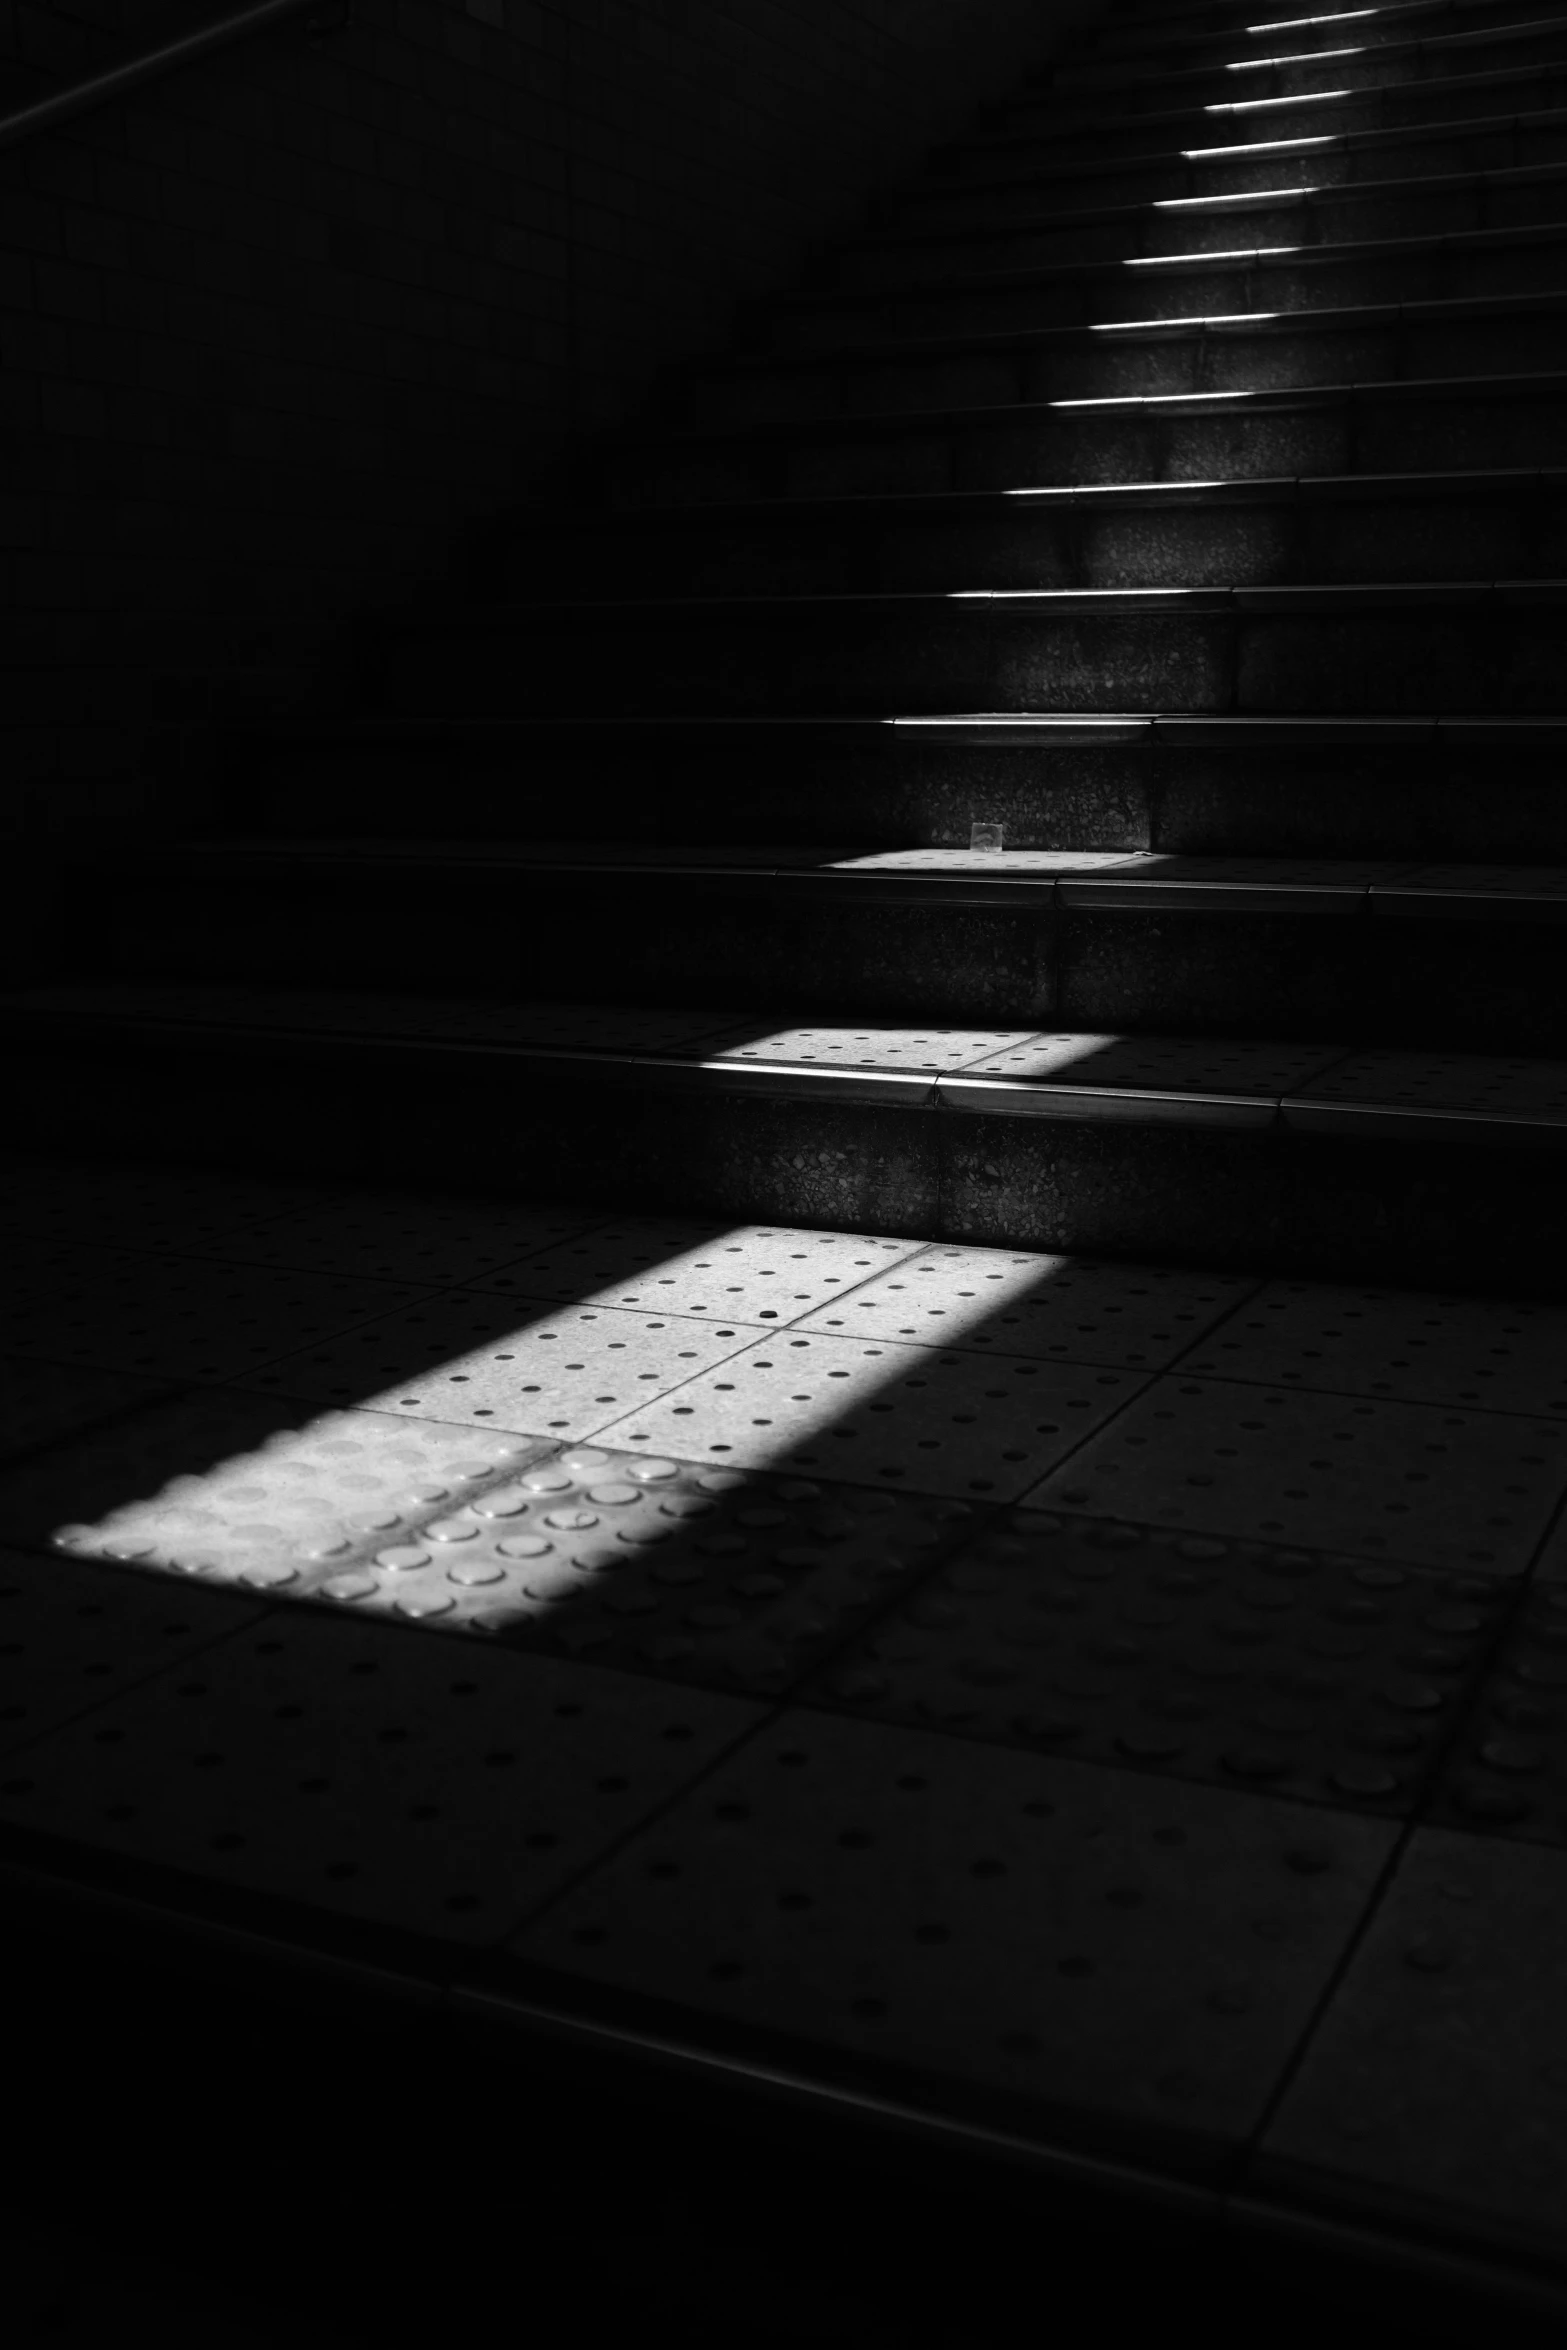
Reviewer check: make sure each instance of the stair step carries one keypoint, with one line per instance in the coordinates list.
(1521, 196)
(1245, 1156)
(1125, 38)
(1411, 787)
(1417, 425)
(1524, 36)
(1226, 350)
(1476, 262)
(1413, 956)
(1351, 527)
(1073, 130)
(1475, 645)
(1041, 180)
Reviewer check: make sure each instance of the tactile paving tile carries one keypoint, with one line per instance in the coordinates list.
(40, 1402)
(758, 1272)
(1436, 2082)
(1508, 1767)
(568, 1027)
(178, 1317)
(1010, 1302)
(406, 1237)
(354, 1768)
(987, 864)
(870, 1047)
(1445, 1081)
(1161, 1064)
(1395, 1480)
(298, 1509)
(140, 1207)
(975, 1428)
(1084, 1941)
(656, 1566)
(73, 1636)
(1306, 1674)
(1420, 1346)
(499, 1362)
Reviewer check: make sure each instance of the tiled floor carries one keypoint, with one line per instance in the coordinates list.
(1107, 1704)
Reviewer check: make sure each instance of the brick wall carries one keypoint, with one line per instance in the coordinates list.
(275, 328)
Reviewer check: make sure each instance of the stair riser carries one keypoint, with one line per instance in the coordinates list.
(1436, 209)
(987, 208)
(1094, 365)
(1273, 1203)
(1438, 273)
(1434, 801)
(1516, 537)
(1204, 83)
(842, 658)
(1484, 987)
(1088, 449)
(1065, 137)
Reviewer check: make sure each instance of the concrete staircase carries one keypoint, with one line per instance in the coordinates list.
(1176, 478)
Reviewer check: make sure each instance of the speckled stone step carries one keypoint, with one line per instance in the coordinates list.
(1459, 956)
(1250, 1156)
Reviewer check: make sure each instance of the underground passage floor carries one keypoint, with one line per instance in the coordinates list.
(498, 1700)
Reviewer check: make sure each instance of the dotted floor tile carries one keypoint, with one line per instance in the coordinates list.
(986, 864)
(655, 1566)
(836, 1407)
(571, 1027)
(1508, 1767)
(501, 1363)
(1326, 1678)
(1007, 1301)
(760, 1273)
(874, 1048)
(1446, 1081)
(1162, 1064)
(406, 1237)
(1401, 1481)
(1421, 1347)
(1436, 2083)
(74, 1635)
(1087, 1941)
(178, 1317)
(358, 1769)
(40, 1402)
(302, 1508)
(140, 1207)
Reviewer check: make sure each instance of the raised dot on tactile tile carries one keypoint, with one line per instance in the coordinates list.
(402, 1558)
(1365, 1781)
(723, 1546)
(653, 1472)
(451, 1530)
(1513, 1755)
(613, 1497)
(426, 1603)
(329, 1550)
(763, 1517)
(721, 1480)
(581, 1463)
(523, 1546)
(799, 1489)
(549, 1480)
(376, 1521)
(472, 1572)
(571, 1521)
(268, 1574)
(1201, 1546)
(348, 1587)
(684, 1505)
(1116, 1537)
(508, 1501)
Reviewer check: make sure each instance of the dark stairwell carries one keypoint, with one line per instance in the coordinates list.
(1025, 802)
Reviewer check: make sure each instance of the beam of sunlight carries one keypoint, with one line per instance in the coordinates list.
(1300, 24)
(1137, 326)
(1260, 147)
(1146, 399)
(1292, 98)
(1307, 57)
(1230, 253)
(1250, 199)
(1072, 595)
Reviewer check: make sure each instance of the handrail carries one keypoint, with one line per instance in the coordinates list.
(43, 115)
